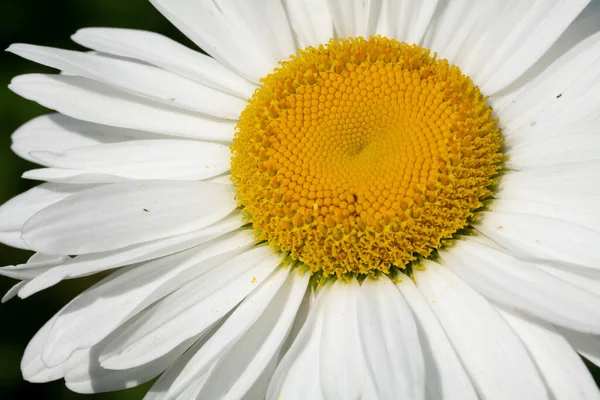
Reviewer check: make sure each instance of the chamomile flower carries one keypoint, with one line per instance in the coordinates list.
(346, 199)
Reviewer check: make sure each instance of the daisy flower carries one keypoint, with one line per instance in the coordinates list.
(343, 200)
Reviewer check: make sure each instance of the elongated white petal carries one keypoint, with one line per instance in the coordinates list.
(355, 18)
(539, 238)
(12, 292)
(249, 38)
(19, 209)
(254, 355)
(57, 133)
(586, 345)
(233, 329)
(88, 264)
(32, 367)
(492, 354)
(494, 42)
(302, 358)
(445, 376)
(390, 342)
(310, 21)
(166, 53)
(137, 160)
(342, 372)
(582, 281)
(405, 20)
(95, 313)
(92, 101)
(190, 310)
(561, 367)
(556, 103)
(521, 286)
(35, 266)
(160, 389)
(123, 214)
(145, 80)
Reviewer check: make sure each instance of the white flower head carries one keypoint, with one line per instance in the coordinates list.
(345, 200)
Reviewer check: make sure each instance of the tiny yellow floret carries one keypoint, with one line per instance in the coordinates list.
(364, 154)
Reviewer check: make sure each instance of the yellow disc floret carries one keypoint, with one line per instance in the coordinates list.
(364, 154)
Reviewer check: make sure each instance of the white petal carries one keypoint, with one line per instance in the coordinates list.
(145, 80)
(254, 356)
(136, 160)
(249, 38)
(35, 266)
(494, 42)
(32, 367)
(341, 360)
(561, 367)
(95, 313)
(57, 133)
(405, 20)
(190, 310)
(298, 373)
(88, 264)
(19, 209)
(532, 237)
(355, 18)
(521, 286)
(233, 329)
(87, 376)
(446, 378)
(584, 282)
(12, 292)
(492, 354)
(390, 342)
(586, 345)
(123, 214)
(557, 103)
(166, 53)
(310, 21)
(91, 101)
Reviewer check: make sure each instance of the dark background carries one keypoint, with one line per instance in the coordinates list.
(50, 23)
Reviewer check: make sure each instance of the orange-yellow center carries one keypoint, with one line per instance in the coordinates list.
(363, 154)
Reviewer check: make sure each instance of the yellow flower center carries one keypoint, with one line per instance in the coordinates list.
(361, 155)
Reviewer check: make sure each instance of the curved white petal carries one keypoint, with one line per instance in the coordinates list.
(13, 291)
(190, 310)
(445, 376)
(34, 267)
(561, 367)
(92, 101)
(145, 80)
(310, 20)
(492, 354)
(557, 103)
(166, 53)
(95, 313)
(19, 209)
(123, 214)
(354, 18)
(521, 286)
(57, 133)
(254, 356)
(137, 160)
(405, 20)
(92, 263)
(532, 237)
(586, 345)
(302, 359)
(248, 37)
(494, 42)
(390, 342)
(343, 372)
(233, 329)
(582, 281)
